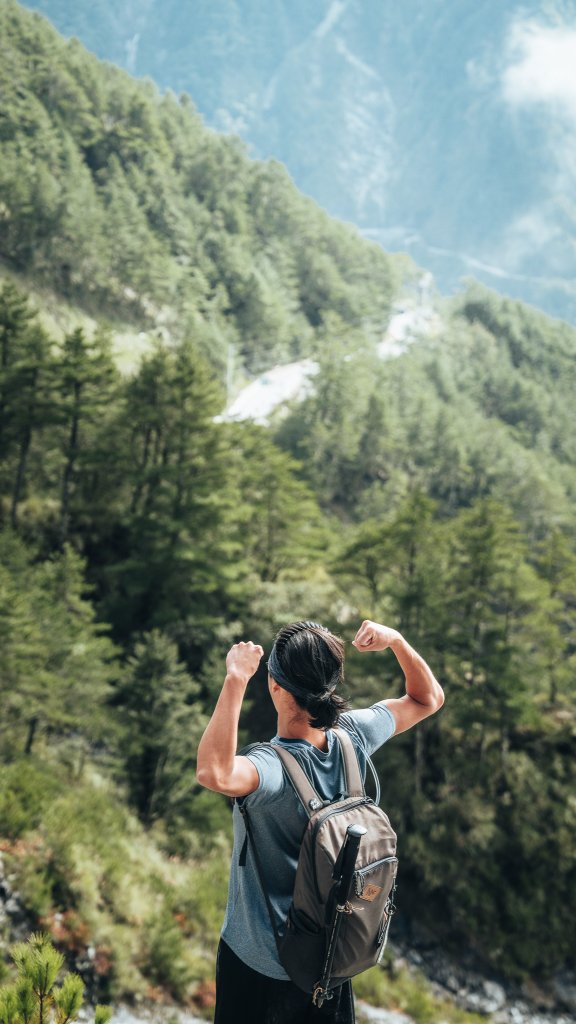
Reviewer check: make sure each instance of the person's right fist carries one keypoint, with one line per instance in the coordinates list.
(243, 659)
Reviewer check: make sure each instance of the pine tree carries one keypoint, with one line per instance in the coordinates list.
(556, 563)
(34, 998)
(178, 539)
(157, 704)
(15, 318)
(282, 528)
(57, 663)
(87, 374)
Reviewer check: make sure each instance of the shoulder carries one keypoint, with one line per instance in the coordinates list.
(270, 773)
(371, 727)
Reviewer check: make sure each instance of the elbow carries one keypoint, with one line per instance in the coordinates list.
(205, 777)
(440, 698)
(210, 778)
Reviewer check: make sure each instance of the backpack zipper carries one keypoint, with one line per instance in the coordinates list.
(324, 817)
(372, 867)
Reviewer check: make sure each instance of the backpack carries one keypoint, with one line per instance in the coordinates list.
(328, 937)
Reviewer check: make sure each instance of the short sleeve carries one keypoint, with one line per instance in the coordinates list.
(270, 774)
(374, 726)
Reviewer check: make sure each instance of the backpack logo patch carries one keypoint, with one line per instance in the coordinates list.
(370, 892)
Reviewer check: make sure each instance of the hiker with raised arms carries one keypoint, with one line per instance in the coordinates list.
(316, 726)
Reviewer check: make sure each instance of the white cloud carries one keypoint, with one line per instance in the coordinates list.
(542, 67)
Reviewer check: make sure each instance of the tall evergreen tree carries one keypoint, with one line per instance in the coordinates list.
(57, 663)
(87, 373)
(157, 704)
(178, 545)
(15, 318)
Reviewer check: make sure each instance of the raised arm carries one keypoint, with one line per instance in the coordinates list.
(218, 767)
(424, 695)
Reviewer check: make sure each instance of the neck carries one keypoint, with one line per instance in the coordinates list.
(299, 729)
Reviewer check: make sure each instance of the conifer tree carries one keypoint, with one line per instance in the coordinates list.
(57, 664)
(87, 373)
(30, 407)
(556, 563)
(37, 408)
(178, 540)
(35, 998)
(15, 318)
(157, 703)
(281, 524)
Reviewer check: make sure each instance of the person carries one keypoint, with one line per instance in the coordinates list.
(305, 670)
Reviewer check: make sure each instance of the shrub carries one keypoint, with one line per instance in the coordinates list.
(34, 995)
(26, 790)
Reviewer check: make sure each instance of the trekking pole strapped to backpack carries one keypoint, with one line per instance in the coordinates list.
(344, 875)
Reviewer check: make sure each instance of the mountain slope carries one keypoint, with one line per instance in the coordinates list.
(441, 129)
(121, 200)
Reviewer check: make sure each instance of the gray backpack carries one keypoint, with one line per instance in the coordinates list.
(342, 903)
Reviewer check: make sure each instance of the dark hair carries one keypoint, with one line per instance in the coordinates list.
(313, 659)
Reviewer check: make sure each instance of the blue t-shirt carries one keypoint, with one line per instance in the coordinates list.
(278, 822)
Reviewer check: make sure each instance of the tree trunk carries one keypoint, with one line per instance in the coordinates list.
(32, 727)
(418, 760)
(70, 464)
(20, 474)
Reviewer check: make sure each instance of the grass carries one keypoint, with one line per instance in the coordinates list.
(58, 318)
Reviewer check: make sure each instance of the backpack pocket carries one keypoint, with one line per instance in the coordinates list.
(375, 879)
(364, 929)
(302, 949)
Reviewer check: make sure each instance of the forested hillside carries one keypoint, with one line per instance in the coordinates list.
(442, 129)
(141, 535)
(122, 201)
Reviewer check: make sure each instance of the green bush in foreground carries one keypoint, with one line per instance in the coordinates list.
(33, 997)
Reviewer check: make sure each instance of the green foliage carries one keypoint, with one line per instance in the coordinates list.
(163, 725)
(284, 532)
(102, 1014)
(165, 955)
(93, 877)
(56, 669)
(33, 996)
(26, 790)
(196, 224)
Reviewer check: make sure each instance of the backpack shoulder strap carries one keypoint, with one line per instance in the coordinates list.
(306, 793)
(300, 782)
(303, 787)
(354, 784)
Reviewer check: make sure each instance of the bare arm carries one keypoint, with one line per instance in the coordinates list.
(424, 695)
(218, 767)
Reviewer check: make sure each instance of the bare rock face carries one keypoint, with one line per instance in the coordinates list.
(15, 920)
(564, 987)
(504, 1003)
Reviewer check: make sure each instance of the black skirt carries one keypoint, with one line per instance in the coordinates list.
(243, 996)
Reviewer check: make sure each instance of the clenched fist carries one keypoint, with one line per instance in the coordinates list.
(374, 637)
(243, 659)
